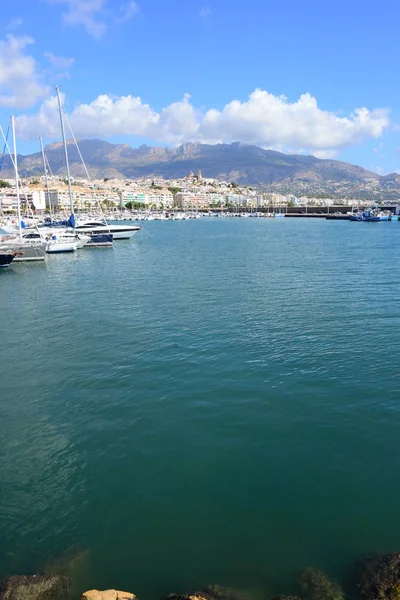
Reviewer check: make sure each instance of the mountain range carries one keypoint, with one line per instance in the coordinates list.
(244, 164)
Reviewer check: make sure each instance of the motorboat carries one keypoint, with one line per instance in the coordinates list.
(100, 240)
(45, 234)
(119, 232)
(372, 215)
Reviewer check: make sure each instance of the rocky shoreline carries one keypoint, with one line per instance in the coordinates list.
(373, 577)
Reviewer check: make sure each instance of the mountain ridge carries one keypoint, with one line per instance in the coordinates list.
(242, 163)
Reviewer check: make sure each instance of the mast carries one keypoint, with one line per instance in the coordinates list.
(71, 204)
(45, 174)
(16, 175)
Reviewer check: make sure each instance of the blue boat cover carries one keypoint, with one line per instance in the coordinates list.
(71, 221)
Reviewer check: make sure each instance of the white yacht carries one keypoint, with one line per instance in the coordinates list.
(119, 232)
(58, 246)
(44, 234)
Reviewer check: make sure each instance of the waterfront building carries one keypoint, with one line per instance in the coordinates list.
(31, 199)
(192, 201)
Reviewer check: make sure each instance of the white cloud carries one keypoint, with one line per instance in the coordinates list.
(20, 80)
(14, 24)
(127, 11)
(378, 148)
(88, 13)
(266, 120)
(93, 14)
(205, 12)
(59, 62)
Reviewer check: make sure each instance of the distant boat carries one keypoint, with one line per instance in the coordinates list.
(372, 215)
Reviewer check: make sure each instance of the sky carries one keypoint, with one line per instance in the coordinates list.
(304, 77)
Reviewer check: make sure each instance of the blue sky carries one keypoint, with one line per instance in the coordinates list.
(302, 77)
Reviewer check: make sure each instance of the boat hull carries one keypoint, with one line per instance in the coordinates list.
(119, 232)
(60, 247)
(6, 259)
(100, 240)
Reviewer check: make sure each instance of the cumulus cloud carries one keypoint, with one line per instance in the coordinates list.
(263, 119)
(59, 62)
(88, 13)
(20, 79)
(268, 120)
(93, 14)
(127, 11)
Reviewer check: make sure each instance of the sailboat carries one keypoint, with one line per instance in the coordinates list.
(97, 238)
(24, 249)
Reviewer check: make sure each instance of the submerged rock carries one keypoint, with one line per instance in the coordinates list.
(34, 587)
(219, 592)
(315, 585)
(211, 592)
(380, 577)
(108, 595)
(194, 596)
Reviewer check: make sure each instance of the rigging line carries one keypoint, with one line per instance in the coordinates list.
(48, 165)
(4, 149)
(84, 165)
(28, 207)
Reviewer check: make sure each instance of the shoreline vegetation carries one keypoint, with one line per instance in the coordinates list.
(372, 577)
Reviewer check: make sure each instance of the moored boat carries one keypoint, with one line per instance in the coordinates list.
(6, 258)
(58, 246)
(372, 215)
(100, 240)
(119, 232)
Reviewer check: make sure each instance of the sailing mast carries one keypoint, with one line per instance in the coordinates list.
(45, 174)
(16, 175)
(66, 157)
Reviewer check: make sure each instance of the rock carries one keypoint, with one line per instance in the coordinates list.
(34, 587)
(125, 595)
(380, 577)
(219, 592)
(194, 596)
(211, 592)
(107, 595)
(315, 585)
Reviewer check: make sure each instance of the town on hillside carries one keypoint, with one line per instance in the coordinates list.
(193, 192)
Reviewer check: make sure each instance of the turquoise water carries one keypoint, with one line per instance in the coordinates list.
(215, 401)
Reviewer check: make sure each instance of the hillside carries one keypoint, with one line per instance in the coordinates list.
(244, 164)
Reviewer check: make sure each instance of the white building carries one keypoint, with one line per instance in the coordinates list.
(157, 199)
(85, 200)
(34, 200)
(190, 200)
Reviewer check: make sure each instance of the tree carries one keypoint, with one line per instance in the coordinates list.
(174, 190)
(4, 184)
(234, 184)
